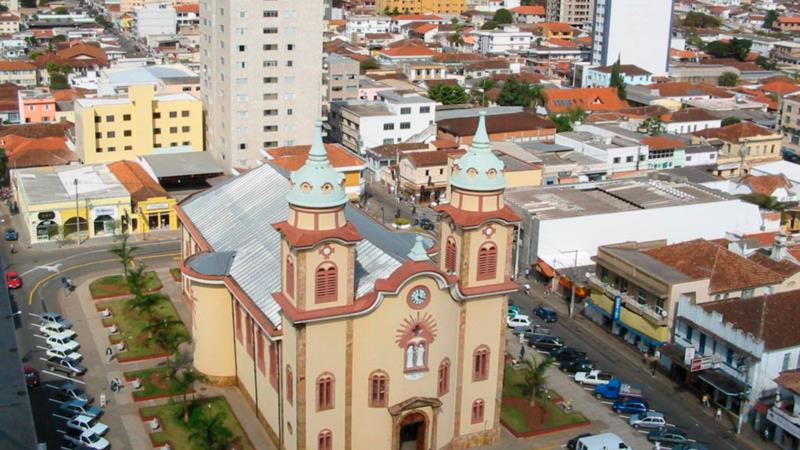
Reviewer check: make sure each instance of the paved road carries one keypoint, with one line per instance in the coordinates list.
(613, 355)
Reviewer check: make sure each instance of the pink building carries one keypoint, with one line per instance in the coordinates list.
(37, 106)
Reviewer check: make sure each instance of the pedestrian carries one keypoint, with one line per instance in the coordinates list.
(718, 414)
(527, 289)
(658, 445)
(103, 400)
(706, 403)
(114, 385)
(119, 384)
(766, 433)
(653, 366)
(13, 249)
(109, 354)
(522, 353)
(528, 272)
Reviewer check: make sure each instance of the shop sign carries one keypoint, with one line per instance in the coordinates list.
(617, 308)
(98, 211)
(157, 206)
(703, 362)
(46, 215)
(688, 355)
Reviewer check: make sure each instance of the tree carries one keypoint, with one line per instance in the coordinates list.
(61, 10)
(35, 54)
(765, 201)
(208, 430)
(480, 90)
(770, 19)
(736, 48)
(183, 379)
(163, 333)
(728, 79)
(535, 376)
(696, 41)
(454, 20)
(448, 94)
(516, 93)
(766, 63)
(369, 63)
(503, 15)
(456, 39)
(617, 80)
(3, 8)
(652, 126)
(28, 3)
(143, 302)
(730, 120)
(489, 25)
(566, 121)
(124, 252)
(699, 20)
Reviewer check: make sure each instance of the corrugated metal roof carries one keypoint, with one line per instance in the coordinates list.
(238, 216)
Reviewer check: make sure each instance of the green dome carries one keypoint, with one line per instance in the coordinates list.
(479, 169)
(317, 184)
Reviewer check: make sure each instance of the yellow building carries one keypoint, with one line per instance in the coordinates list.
(741, 146)
(152, 208)
(422, 6)
(348, 344)
(109, 129)
(48, 208)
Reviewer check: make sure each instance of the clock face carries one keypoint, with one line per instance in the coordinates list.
(418, 297)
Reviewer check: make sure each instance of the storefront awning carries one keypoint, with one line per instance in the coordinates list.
(545, 269)
(723, 382)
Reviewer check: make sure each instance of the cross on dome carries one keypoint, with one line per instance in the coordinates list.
(317, 184)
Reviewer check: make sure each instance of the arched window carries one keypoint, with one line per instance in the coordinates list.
(326, 283)
(273, 364)
(480, 363)
(325, 440)
(378, 389)
(477, 411)
(444, 377)
(487, 262)
(289, 385)
(325, 392)
(416, 354)
(289, 276)
(450, 256)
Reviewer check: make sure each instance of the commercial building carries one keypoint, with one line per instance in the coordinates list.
(396, 118)
(513, 126)
(152, 208)
(504, 40)
(156, 19)
(601, 76)
(636, 32)
(574, 12)
(360, 25)
(36, 106)
(422, 6)
(340, 80)
(365, 357)
(261, 71)
(21, 73)
(620, 153)
(109, 129)
(741, 146)
(166, 78)
(782, 423)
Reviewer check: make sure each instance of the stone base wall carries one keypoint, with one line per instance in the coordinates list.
(473, 440)
(220, 381)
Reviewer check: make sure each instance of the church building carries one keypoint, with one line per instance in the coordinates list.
(341, 333)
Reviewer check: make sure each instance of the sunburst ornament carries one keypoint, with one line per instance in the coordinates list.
(421, 325)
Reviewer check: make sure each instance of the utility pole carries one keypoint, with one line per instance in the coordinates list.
(572, 282)
(77, 215)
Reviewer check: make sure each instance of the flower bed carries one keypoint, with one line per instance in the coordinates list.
(115, 286)
(176, 274)
(155, 384)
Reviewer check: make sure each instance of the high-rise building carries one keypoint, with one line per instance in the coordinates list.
(422, 6)
(261, 76)
(634, 31)
(574, 12)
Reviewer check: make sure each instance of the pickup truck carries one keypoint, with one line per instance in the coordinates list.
(85, 439)
(593, 377)
(616, 389)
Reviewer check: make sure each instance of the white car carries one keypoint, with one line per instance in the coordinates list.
(53, 329)
(55, 318)
(63, 342)
(86, 439)
(63, 353)
(86, 423)
(594, 377)
(520, 320)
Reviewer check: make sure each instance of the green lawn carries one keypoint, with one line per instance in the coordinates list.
(131, 323)
(155, 381)
(114, 285)
(174, 430)
(176, 274)
(518, 415)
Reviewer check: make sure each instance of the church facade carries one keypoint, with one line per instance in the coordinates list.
(340, 333)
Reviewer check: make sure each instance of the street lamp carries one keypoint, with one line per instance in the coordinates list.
(575, 271)
(77, 215)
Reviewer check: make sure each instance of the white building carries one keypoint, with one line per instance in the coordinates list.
(508, 39)
(395, 118)
(360, 25)
(634, 31)
(156, 19)
(690, 120)
(622, 154)
(261, 71)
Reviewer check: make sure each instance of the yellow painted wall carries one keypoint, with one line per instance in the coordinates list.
(153, 205)
(423, 6)
(213, 347)
(289, 357)
(632, 319)
(476, 238)
(524, 178)
(325, 352)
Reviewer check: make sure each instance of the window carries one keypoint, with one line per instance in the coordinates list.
(186, 143)
(238, 322)
(260, 353)
(405, 110)
(325, 440)
(616, 160)
(689, 333)
(629, 159)
(242, 48)
(748, 293)
(128, 147)
(98, 119)
(325, 392)
(98, 150)
(450, 255)
(424, 109)
(127, 133)
(388, 126)
(109, 118)
(289, 276)
(98, 135)
(480, 363)
(270, 13)
(477, 411)
(487, 262)
(173, 114)
(289, 385)
(326, 283)
(270, 112)
(270, 30)
(270, 63)
(269, 80)
(405, 125)
(273, 364)
(184, 129)
(126, 117)
(786, 360)
(269, 47)
(248, 325)
(290, 47)
(642, 296)
(173, 130)
(156, 130)
(378, 389)
(444, 378)
(270, 128)
(111, 149)
(185, 113)
(157, 115)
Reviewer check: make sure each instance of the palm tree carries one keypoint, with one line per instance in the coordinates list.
(534, 375)
(161, 331)
(183, 380)
(209, 431)
(124, 252)
(535, 96)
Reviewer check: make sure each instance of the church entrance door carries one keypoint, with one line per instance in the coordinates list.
(412, 432)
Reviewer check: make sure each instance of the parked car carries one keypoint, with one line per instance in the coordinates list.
(11, 234)
(72, 391)
(651, 420)
(576, 365)
(546, 343)
(690, 446)
(565, 354)
(427, 224)
(520, 320)
(54, 318)
(31, 376)
(593, 378)
(616, 389)
(545, 313)
(62, 340)
(53, 329)
(572, 443)
(669, 435)
(85, 439)
(66, 365)
(77, 407)
(13, 280)
(604, 441)
(63, 352)
(513, 310)
(86, 423)
(630, 406)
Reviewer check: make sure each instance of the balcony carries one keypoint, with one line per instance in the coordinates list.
(784, 419)
(658, 318)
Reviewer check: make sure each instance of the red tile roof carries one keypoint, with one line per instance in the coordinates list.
(663, 143)
(190, 8)
(496, 123)
(80, 55)
(535, 10)
(773, 318)
(789, 379)
(136, 181)
(702, 259)
(789, 19)
(766, 184)
(293, 157)
(431, 158)
(682, 89)
(408, 50)
(786, 267)
(555, 27)
(15, 65)
(736, 132)
(422, 29)
(588, 99)
(780, 87)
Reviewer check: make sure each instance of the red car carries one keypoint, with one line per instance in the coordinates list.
(13, 280)
(31, 375)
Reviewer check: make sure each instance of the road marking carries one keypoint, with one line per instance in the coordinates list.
(56, 401)
(59, 262)
(61, 417)
(79, 266)
(75, 380)
(588, 389)
(51, 386)
(643, 431)
(606, 403)
(624, 417)
(50, 268)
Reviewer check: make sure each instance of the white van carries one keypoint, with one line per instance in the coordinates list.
(605, 441)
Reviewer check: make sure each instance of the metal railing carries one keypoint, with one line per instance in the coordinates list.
(645, 310)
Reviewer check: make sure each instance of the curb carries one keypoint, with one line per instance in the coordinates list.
(545, 431)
